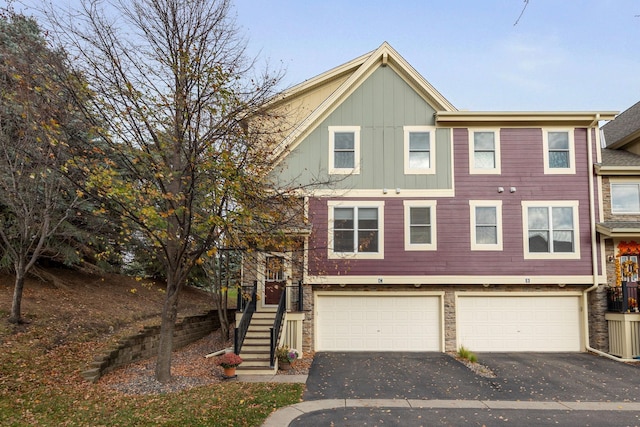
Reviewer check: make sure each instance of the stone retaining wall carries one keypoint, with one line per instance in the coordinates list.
(144, 344)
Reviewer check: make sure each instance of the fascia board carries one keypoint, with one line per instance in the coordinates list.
(521, 118)
(617, 170)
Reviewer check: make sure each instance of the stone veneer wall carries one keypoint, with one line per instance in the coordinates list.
(144, 344)
(598, 331)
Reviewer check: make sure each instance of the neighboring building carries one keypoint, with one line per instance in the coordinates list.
(440, 228)
(619, 228)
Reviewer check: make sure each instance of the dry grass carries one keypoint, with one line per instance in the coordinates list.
(41, 361)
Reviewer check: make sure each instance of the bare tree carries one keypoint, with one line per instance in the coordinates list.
(186, 145)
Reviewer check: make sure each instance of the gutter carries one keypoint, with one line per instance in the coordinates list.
(594, 258)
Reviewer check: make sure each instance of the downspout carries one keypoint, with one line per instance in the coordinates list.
(594, 254)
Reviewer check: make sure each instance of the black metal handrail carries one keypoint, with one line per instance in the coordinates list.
(243, 327)
(274, 332)
(243, 299)
(624, 298)
(300, 296)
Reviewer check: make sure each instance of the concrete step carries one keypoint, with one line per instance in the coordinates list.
(257, 337)
(261, 347)
(256, 363)
(255, 370)
(254, 356)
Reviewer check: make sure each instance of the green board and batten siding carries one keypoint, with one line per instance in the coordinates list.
(382, 105)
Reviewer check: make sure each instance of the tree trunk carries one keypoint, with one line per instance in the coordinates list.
(222, 315)
(16, 316)
(167, 327)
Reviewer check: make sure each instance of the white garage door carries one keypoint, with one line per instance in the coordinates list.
(519, 323)
(378, 323)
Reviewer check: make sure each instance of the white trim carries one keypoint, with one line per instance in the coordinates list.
(331, 204)
(497, 170)
(380, 192)
(356, 150)
(417, 293)
(622, 181)
(574, 205)
(452, 280)
(497, 204)
(572, 152)
(408, 246)
(430, 130)
(261, 275)
(519, 294)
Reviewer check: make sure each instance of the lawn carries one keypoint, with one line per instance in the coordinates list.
(40, 363)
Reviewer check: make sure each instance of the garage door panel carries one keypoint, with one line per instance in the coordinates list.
(378, 323)
(522, 323)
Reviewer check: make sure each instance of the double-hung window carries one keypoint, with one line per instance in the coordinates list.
(551, 230)
(420, 225)
(559, 151)
(484, 151)
(419, 150)
(486, 225)
(356, 230)
(625, 198)
(344, 149)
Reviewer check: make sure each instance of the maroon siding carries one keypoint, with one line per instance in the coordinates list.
(522, 167)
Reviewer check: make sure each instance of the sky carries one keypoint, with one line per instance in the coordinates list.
(561, 55)
(569, 55)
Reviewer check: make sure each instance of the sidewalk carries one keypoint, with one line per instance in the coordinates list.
(284, 416)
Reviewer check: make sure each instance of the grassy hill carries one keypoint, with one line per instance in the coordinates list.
(73, 317)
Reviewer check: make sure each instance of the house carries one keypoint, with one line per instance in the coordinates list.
(619, 228)
(440, 228)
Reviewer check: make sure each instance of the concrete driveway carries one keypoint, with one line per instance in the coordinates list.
(519, 376)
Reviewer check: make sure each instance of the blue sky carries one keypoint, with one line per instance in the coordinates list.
(562, 55)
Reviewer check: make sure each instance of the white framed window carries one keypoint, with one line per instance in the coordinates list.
(356, 229)
(559, 151)
(344, 149)
(419, 150)
(274, 268)
(551, 229)
(420, 233)
(625, 198)
(486, 225)
(484, 151)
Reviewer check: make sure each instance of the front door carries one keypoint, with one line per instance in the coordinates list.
(629, 273)
(274, 279)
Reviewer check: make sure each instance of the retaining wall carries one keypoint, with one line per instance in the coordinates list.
(144, 344)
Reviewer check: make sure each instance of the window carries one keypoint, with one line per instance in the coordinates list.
(344, 149)
(419, 150)
(486, 224)
(484, 151)
(559, 152)
(356, 230)
(274, 269)
(625, 198)
(550, 230)
(420, 225)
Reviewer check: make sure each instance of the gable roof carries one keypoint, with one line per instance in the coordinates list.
(349, 77)
(624, 129)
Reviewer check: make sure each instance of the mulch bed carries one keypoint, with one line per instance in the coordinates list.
(189, 368)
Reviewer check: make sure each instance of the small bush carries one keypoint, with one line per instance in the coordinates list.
(465, 353)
